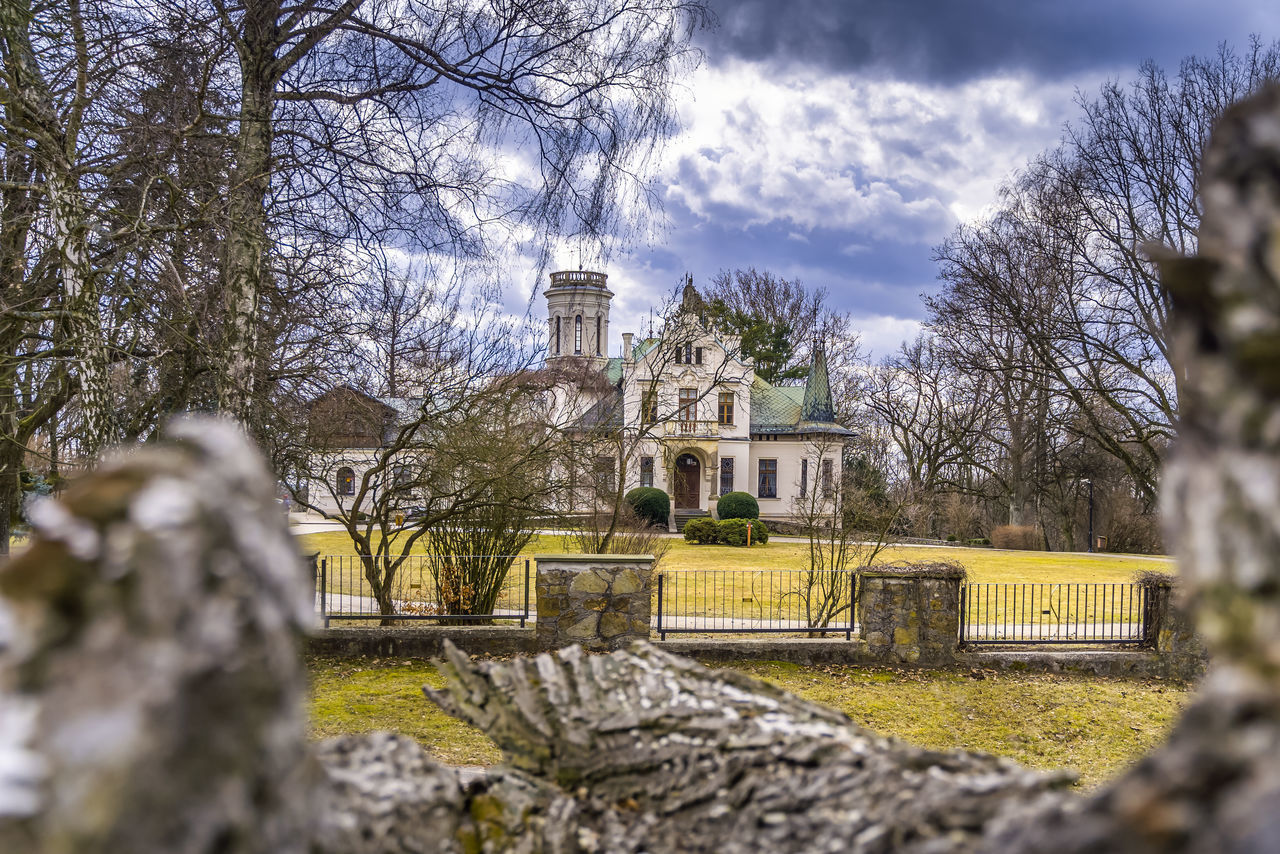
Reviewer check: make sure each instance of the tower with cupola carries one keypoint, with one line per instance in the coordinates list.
(578, 315)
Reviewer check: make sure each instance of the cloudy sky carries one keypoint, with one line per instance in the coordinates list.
(837, 141)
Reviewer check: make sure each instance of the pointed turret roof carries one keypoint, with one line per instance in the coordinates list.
(817, 404)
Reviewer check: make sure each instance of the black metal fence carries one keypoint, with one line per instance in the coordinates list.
(1043, 613)
(747, 601)
(419, 592)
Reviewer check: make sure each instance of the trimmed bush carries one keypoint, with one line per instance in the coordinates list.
(651, 504)
(951, 538)
(1024, 537)
(703, 532)
(733, 532)
(738, 505)
(759, 533)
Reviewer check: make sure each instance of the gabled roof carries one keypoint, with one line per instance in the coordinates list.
(606, 412)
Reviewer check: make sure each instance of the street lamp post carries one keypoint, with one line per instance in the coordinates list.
(1089, 483)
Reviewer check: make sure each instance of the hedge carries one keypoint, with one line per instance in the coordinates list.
(651, 504)
(738, 505)
(701, 531)
(729, 532)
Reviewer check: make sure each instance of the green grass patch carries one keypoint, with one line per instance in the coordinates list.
(356, 695)
(1094, 726)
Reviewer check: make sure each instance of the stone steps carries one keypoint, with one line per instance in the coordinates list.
(682, 517)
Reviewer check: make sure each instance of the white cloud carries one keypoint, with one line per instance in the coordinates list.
(882, 335)
(889, 159)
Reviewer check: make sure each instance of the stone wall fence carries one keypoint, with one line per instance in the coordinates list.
(910, 613)
(1170, 631)
(602, 602)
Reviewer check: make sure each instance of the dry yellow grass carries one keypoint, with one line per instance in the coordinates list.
(991, 565)
(1095, 726)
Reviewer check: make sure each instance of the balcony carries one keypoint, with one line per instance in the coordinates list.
(693, 429)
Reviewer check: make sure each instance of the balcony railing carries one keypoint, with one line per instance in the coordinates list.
(692, 428)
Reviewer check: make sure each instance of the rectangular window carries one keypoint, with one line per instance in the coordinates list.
(557, 336)
(646, 471)
(649, 407)
(679, 354)
(804, 478)
(828, 477)
(599, 343)
(604, 474)
(688, 353)
(726, 407)
(768, 486)
(697, 355)
(726, 475)
(688, 404)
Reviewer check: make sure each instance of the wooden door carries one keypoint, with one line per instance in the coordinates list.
(688, 479)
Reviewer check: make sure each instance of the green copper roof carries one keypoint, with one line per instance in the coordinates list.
(817, 391)
(796, 409)
(774, 407)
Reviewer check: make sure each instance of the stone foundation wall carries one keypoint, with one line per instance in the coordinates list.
(602, 602)
(911, 614)
(420, 641)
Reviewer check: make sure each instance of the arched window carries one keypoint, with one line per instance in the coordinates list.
(557, 350)
(599, 343)
(346, 481)
(577, 335)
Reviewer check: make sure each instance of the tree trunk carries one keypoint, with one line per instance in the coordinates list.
(244, 263)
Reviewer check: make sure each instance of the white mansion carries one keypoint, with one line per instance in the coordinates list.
(685, 408)
(700, 422)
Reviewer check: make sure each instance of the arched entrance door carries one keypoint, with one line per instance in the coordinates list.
(687, 480)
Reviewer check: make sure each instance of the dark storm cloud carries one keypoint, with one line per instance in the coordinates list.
(957, 40)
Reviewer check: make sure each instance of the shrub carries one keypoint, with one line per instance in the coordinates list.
(1132, 531)
(738, 505)
(651, 504)
(978, 541)
(951, 538)
(1024, 537)
(701, 531)
(733, 532)
(759, 533)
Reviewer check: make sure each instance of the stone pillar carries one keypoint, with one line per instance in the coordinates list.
(1170, 630)
(911, 614)
(602, 602)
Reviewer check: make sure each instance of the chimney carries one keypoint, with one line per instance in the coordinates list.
(626, 346)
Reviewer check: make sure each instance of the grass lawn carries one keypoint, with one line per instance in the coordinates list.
(992, 565)
(764, 583)
(1095, 726)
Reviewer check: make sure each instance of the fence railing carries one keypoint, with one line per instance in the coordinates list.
(445, 588)
(1042, 613)
(744, 601)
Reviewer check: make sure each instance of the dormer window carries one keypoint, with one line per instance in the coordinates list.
(577, 335)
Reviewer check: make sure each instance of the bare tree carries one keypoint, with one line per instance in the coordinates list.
(779, 322)
(331, 94)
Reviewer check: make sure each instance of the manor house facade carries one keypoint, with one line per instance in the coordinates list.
(696, 420)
